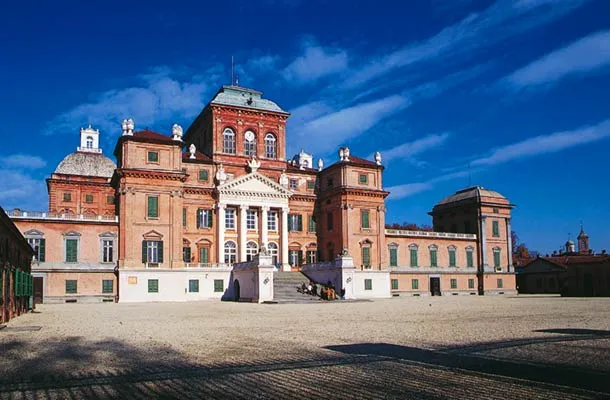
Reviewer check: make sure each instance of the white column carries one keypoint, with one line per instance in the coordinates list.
(220, 223)
(264, 241)
(243, 212)
(510, 245)
(284, 240)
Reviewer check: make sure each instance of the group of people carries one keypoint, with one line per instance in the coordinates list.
(327, 292)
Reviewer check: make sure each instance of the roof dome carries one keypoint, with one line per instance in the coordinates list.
(86, 164)
(570, 243)
(475, 192)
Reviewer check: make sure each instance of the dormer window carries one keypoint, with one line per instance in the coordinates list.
(228, 141)
(89, 142)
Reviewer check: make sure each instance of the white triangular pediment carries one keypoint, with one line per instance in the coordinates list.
(254, 184)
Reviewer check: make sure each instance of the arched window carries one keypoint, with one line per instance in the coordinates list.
(230, 252)
(228, 141)
(251, 250)
(89, 142)
(270, 146)
(249, 143)
(413, 255)
(273, 252)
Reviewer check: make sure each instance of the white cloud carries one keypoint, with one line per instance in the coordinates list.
(160, 98)
(478, 30)
(546, 144)
(315, 62)
(22, 161)
(409, 189)
(411, 149)
(20, 190)
(329, 130)
(580, 57)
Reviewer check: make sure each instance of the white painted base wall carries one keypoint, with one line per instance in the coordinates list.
(173, 285)
(380, 284)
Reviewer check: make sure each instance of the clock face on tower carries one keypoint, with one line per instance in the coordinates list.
(249, 136)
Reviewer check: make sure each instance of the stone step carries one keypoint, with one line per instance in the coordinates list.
(285, 286)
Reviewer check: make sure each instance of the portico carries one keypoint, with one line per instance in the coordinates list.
(252, 208)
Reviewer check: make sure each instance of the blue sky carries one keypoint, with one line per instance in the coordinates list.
(510, 95)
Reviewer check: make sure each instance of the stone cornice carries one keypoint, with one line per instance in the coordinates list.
(151, 174)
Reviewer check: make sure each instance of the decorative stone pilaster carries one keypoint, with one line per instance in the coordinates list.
(284, 239)
(220, 235)
(243, 211)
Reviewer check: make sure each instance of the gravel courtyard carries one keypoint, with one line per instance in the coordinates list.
(442, 347)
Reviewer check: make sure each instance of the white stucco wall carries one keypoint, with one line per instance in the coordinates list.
(173, 285)
(380, 284)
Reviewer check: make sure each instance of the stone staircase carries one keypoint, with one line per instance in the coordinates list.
(285, 288)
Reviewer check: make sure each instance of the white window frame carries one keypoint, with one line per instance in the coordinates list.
(107, 250)
(270, 145)
(204, 217)
(230, 248)
(152, 252)
(251, 220)
(272, 221)
(230, 218)
(251, 250)
(228, 141)
(249, 146)
(274, 251)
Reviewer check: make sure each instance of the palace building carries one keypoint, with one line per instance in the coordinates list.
(177, 211)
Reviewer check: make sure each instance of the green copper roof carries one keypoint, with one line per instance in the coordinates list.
(243, 97)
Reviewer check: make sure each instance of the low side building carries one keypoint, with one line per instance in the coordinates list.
(15, 265)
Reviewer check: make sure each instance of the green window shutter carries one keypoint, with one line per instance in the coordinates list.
(193, 285)
(204, 255)
(469, 259)
(203, 175)
(300, 258)
(153, 286)
(366, 256)
(394, 284)
(496, 258)
(42, 250)
(496, 228)
(71, 286)
(186, 254)
(199, 217)
(16, 284)
(364, 216)
(433, 260)
(368, 284)
(107, 286)
(393, 257)
(500, 284)
(452, 258)
(470, 283)
(300, 221)
(218, 285)
(71, 250)
(311, 185)
(210, 214)
(160, 250)
(153, 207)
(415, 284)
(290, 222)
(312, 224)
(413, 254)
(144, 251)
(184, 216)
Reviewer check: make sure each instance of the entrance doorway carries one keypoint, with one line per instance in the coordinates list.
(236, 289)
(435, 286)
(38, 290)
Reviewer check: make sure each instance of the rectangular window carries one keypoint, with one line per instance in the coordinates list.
(193, 285)
(219, 285)
(71, 286)
(184, 216)
(230, 218)
(272, 221)
(495, 210)
(311, 185)
(453, 283)
(39, 247)
(470, 283)
(393, 257)
(366, 257)
(204, 255)
(107, 250)
(394, 284)
(368, 284)
(251, 220)
(329, 222)
(88, 198)
(295, 258)
(433, 258)
(204, 218)
(311, 224)
(415, 284)
(497, 258)
(203, 175)
(413, 254)
(364, 219)
(311, 256)
(495, 226)
(452, 258)
(109, 199)
(107, 286)
(153, 157)
(71, 250)
(153, 207)
(363, 179)
(469, 258)
(153, 286)
(500, 284)
(295, 222)
(293, 184)
(152, 251)
(186, 254)
(67, 196)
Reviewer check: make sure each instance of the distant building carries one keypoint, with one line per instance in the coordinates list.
(569, 272)
(177, 211)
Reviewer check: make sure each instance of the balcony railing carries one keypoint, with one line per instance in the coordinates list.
(19, 214)
(428, 234)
